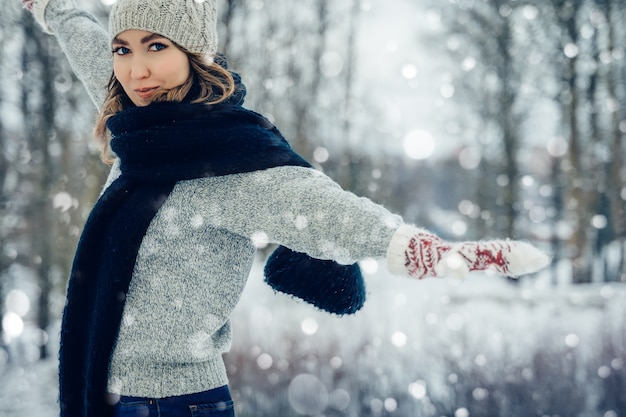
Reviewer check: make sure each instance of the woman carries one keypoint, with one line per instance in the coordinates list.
(196, 181)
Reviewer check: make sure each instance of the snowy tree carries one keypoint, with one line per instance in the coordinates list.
(590, 171)
(47, 122)
(482, 38)
(518, 58)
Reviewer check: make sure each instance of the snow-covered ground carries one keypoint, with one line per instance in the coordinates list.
(479, 347)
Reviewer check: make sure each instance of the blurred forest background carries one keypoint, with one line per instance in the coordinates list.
(529, 97)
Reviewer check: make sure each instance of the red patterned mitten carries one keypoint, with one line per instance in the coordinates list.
(419, 253)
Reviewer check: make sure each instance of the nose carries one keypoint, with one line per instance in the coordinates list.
(139, 68)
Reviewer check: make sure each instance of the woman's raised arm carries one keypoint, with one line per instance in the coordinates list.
(83, 40)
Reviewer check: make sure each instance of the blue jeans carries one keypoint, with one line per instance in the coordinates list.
(214, 403)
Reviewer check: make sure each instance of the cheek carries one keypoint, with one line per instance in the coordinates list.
(177, 72)
(182, 74)
(120, 72)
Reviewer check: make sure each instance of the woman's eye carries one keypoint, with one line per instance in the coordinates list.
(121, 50)
(157, 47)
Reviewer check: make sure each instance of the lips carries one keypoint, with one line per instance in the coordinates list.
(145, 93)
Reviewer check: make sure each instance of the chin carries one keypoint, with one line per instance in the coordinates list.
(141, 102)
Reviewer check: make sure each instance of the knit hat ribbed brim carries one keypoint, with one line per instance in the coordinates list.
(191, 24)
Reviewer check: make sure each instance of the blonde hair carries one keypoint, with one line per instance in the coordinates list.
(212, 84)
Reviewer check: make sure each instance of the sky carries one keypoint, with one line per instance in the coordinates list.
(395, 61)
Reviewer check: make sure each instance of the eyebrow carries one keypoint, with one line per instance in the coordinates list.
(144, 40)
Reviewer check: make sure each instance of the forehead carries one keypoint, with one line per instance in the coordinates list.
(136, 36)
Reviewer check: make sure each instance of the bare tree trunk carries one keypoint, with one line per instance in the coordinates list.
(47, 182)
(510, 131)
(482, 191)
(566, 14)
(4, 261)
(576, 195)
(596, 189)
(42, 236)
(227, 21)
(616, 182)
(557, 181)
(353, 172)
(308, 100)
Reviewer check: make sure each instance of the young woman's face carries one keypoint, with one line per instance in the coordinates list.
(144, 62)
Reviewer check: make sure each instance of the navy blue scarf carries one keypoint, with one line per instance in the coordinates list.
(159, 145)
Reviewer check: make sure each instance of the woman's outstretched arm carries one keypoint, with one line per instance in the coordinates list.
(83, 40)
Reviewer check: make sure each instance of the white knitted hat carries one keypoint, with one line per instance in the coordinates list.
(191, 24)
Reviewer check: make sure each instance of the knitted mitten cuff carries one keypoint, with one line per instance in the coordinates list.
(415, 252)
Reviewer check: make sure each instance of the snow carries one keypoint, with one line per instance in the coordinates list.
(480, 347)
(417, 348)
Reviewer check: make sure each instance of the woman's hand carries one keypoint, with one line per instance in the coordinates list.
(28, 4)
(419, 254)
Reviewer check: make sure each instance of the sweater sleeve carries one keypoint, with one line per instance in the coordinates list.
(83, 40)
(299, 208)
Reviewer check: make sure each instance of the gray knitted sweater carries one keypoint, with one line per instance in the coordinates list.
(195, 258)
